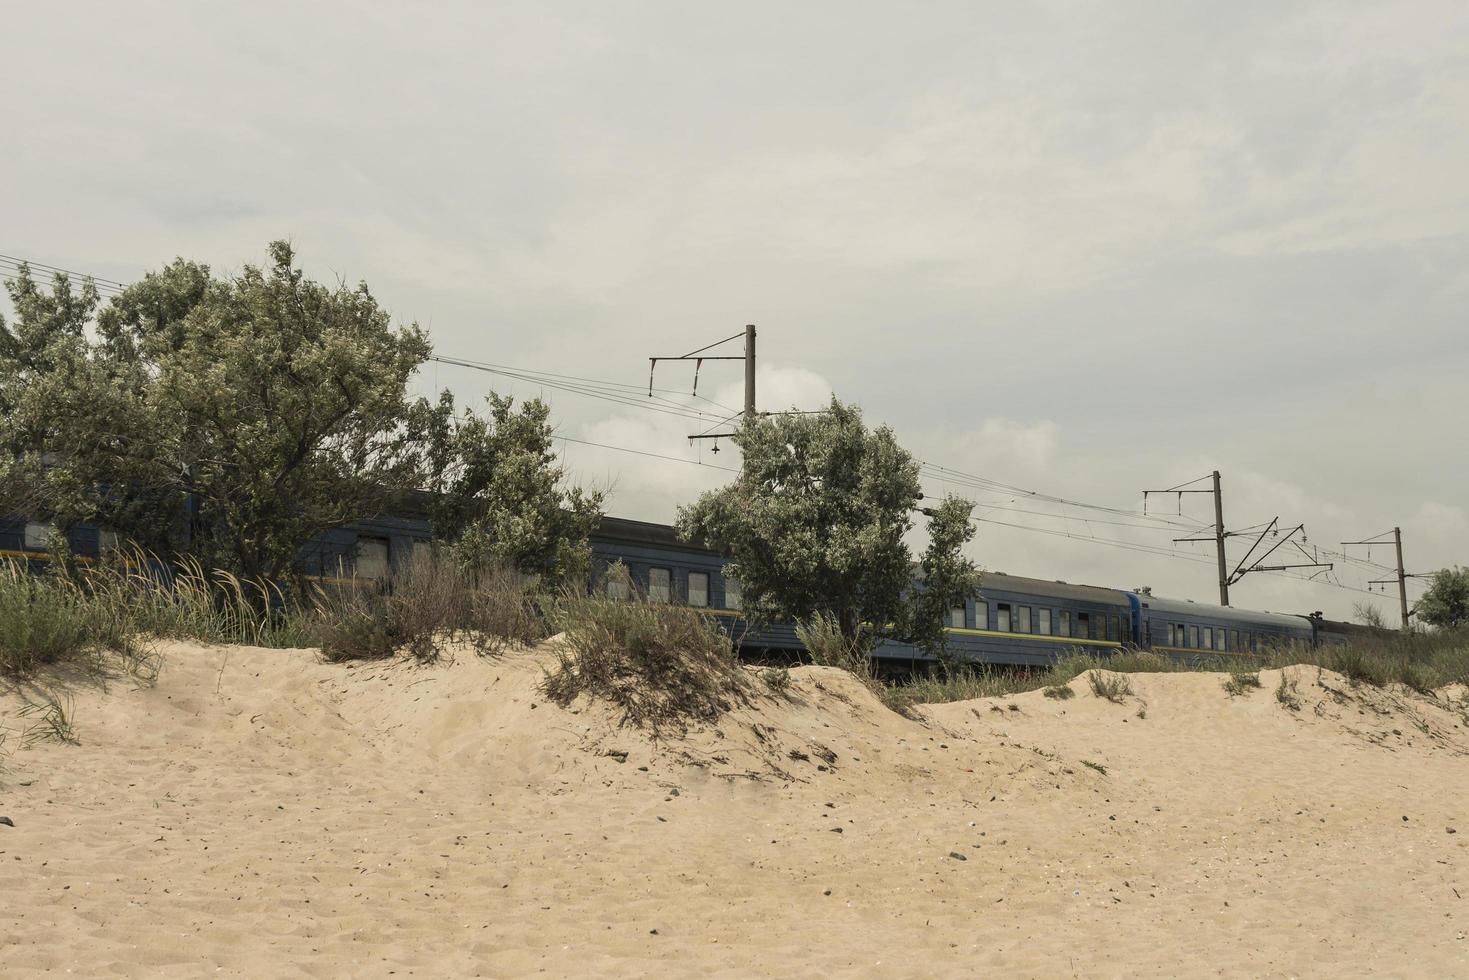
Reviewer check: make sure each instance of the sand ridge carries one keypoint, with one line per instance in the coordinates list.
(260, 813)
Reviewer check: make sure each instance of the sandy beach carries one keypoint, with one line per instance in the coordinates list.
(259, 813)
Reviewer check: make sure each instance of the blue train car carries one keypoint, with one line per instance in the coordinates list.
(1031, 622)
(1193, 629)
(664, 568)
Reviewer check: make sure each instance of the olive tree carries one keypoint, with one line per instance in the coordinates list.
(814, 524)
(947, 578)
(498, 492)
(231, 418)
(1446, 602)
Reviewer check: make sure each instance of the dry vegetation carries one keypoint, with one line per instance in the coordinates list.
(661, 665)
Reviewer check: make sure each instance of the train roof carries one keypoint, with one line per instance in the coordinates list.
(1001, 582)
(643, 532)
(1224, 614)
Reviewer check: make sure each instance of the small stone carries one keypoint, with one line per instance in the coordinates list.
(673, 792)
(836, 830)
(652, 932)
(827, 892)
(1450, 830)
(957, 856)
(1405, 818)
(11, 823)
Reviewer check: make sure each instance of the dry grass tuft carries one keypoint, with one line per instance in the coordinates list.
(1112, 686)
(662, 665)
(1241, 683)
(430, 601)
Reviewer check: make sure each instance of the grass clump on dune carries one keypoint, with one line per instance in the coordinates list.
(1241, 682)
(662, 665)
(430, 601)
(52, 620)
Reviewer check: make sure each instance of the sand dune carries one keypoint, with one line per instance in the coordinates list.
(258, 813)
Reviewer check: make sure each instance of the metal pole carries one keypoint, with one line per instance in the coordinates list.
(1219, 541)
(1397, 535)
(750, 372)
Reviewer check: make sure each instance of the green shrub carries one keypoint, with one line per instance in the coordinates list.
(42, 622)
(1241, 683)
(1113, 687)
(778, 679)
(662, 665)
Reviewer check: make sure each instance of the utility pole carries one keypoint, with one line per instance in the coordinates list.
(1219, 534)
(1228, 578)
(1402, 574)
(1219, 541)
(1397, 537)
(749, 372)
(699, 357)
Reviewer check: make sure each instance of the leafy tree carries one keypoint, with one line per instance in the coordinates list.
(814, 523)
(499, 494)
(947, 578)
(232, 418)
(1446, 603)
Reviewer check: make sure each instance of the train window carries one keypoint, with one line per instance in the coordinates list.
(1063, 623)
(1022, 619)
(658, 584)
(1083, 626)
(1219, 638)
(1234, 639)
(699, 589)
(956, 617)
(1193, 637)
(371, 559)
(981, 615)
(1111, 627)
(731, 592)
(106, 541)
(1208, 637)
(36, 535)
(1002, 617)
(1043, 623)
(619, 582)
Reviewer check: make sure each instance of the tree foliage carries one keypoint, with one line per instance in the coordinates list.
(231, 418)
(1446, 602)
(815, 522)
(947, 577)
(498, 492)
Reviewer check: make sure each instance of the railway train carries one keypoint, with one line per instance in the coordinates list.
(1014, 621)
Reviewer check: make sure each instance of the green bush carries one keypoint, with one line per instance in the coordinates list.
(42, 622)
(662, 665)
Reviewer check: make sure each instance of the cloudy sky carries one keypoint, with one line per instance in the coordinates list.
(1080, 248)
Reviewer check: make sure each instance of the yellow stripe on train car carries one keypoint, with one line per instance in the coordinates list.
(1046, 637)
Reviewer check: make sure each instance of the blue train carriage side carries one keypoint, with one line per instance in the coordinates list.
(1184, 629)
(665, 568)
(1032, 622)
